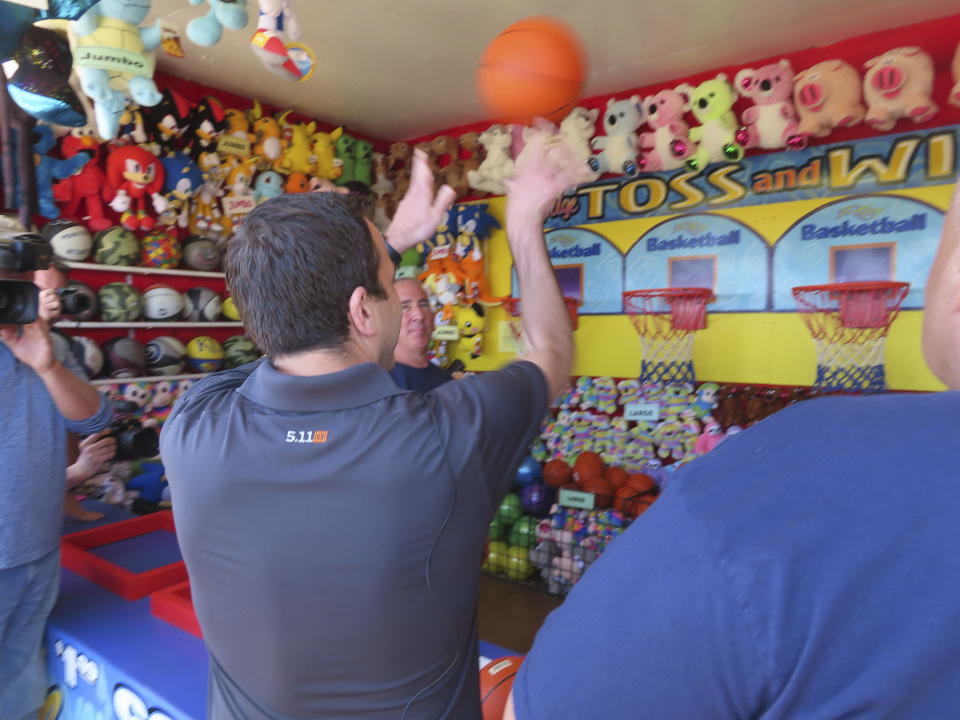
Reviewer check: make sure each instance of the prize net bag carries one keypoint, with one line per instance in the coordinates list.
(849, 323)
(666, 320)
(514, 311)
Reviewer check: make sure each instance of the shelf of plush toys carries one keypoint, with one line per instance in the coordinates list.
(592, 472)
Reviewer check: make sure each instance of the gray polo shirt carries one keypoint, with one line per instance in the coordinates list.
(333, 528)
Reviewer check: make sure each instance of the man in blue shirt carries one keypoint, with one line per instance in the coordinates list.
(412, 369)
(42, 401)
(807, 568)
(332, 522)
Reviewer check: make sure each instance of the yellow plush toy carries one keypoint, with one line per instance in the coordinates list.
(328, 165)
(297, 155)
(471, 323)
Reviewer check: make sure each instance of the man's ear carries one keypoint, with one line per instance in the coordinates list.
(361, 319)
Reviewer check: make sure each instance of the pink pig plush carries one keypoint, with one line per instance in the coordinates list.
(772, 121)
(667, 147)
(899, 84)
(828, 95)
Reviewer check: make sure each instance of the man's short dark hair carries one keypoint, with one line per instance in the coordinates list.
(293, 266)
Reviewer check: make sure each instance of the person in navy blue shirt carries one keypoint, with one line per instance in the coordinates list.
(412, 368)
(807, 568)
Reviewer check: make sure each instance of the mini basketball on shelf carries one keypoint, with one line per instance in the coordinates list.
(162, 302)
(204, 354)
(70, 240)
(201, 253)
(124, 357)
(89, 354)
(201, 304)
(165, 356)
(534, 68)
(119, 302)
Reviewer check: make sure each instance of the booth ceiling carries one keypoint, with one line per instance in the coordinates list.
(404, 68)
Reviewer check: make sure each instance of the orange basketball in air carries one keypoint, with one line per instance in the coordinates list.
(496, 681)
(534, 68)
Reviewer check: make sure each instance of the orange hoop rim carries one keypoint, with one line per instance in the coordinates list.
(859, 286)
(677, 293)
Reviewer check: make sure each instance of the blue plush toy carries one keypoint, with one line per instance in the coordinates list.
(150, 483)
(269, 184)
(49, 169)
(111, 54)
(208, 30)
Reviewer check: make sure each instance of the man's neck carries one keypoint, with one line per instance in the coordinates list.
(320, 362)
(415, 359)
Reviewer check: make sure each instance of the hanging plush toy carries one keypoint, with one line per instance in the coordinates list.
(497, 166)
(899, 84)
(182, 180)
(84, 186)
(618, 146)
(345, 154)
(49, 169)
(772, 122)
(327, 164)
(712, 103)
(208, 30)
(132, 175)
(167, 121)
(206, 218)
(828, 95)
(297, 152)
(41, 84)
(206, 124)
(668, 146)
(577, 129)
(292, 61)
(111, 54)
(266, 134)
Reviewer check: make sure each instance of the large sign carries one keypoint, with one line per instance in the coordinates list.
(894, 161)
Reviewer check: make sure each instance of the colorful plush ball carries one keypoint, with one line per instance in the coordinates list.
(509, 510)
(537, 499)
(239, 350)
(201, 253)
(534, 68)
(162, 302)
(496, 682)
(165, 356)
(556, 473)
(89, 354)
(201, 304)
(229, 309)
(90, 294)
(70, 240)
(529, 473)
(119, 302)
(524, 532)
(116, 246)
(519, 566)
(124, 357)
(589, 465)
(161, 249)
(496, 561)
(204, 354)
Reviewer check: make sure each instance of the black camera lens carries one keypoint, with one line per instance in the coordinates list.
(137, 444)
(19, 302)
(73, 301)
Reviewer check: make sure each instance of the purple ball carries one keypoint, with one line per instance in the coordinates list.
(537, 499)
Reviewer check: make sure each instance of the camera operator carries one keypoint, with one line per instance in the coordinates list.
(43, 401)
(82, 455)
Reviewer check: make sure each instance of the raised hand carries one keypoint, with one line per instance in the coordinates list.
(422, 209)
(95, 450)
(31, 345)
(50, 306)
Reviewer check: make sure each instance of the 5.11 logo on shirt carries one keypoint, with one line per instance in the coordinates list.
(307, 436)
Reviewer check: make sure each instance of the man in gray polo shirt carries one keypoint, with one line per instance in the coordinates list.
(332, 523)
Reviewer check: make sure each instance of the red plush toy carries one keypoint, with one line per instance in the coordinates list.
(132, 174)
(83, 186)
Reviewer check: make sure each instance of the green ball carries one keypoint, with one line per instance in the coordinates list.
(510, 509)
(119, 302)
(524, 532)
(116, 246)
(239, 350)
(496, 530)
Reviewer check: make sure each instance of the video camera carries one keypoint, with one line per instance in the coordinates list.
(20, 299)
(134, 442)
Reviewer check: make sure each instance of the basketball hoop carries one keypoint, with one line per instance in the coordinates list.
(513, 306)
(849, 323)
(666, 320)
